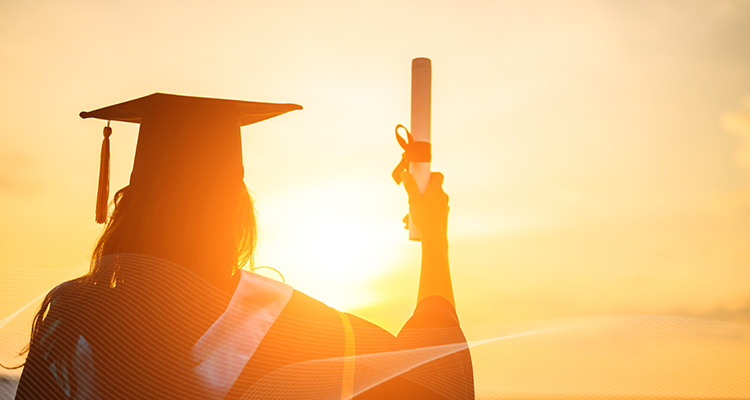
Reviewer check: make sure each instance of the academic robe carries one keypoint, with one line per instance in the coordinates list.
(262, 340)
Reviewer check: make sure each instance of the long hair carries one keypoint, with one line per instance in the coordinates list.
(211, 234)
(199, 240)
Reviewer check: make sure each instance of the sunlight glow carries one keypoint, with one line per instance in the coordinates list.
(338, 242)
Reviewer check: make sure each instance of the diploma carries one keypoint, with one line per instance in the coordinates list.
(421, 94)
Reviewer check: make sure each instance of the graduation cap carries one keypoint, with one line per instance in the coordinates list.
(183, 141)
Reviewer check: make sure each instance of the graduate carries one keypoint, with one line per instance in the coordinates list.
(166, 312)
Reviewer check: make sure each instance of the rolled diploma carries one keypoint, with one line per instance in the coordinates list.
(421, 94)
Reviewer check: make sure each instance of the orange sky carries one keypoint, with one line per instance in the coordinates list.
(596, 153)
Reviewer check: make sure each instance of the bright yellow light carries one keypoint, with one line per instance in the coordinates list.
(333, 241)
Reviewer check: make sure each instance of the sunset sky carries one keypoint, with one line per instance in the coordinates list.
(596, 153)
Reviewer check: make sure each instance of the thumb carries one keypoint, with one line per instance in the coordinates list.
(410, 184)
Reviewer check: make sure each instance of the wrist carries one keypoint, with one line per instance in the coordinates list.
(434, 240)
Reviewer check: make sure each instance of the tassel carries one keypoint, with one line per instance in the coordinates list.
(102, 196)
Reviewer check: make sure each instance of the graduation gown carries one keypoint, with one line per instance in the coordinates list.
(266, 341)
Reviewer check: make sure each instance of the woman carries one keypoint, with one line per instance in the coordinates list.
(165, 311)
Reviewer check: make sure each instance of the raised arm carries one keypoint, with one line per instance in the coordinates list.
(429, 212)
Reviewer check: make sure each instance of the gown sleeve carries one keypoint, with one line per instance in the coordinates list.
(429, 359)
(314, 351)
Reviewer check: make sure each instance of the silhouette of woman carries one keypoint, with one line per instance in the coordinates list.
(165, 311)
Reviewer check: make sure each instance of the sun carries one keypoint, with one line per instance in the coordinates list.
(330, 241)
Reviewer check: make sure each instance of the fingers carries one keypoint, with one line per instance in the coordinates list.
(428, 211)
(435, 183)
(410, 185)
(436, 179)
(406, 221)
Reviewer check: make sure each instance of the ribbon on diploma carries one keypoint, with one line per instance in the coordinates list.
(414, 151)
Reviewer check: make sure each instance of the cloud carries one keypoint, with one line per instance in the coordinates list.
(721, 313)
(727, 314)
(737, 123)
(18, 173)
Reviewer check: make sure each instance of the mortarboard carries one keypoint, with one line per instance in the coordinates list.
(183, 141)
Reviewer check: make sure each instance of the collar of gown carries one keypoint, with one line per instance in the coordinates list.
(226, 347)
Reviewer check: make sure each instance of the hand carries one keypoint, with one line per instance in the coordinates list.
(428, 210)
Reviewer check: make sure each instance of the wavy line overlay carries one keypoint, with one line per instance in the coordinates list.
(612, 357)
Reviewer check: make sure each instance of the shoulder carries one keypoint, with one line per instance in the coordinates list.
(435, 312)
(308, 310)
(304, 307)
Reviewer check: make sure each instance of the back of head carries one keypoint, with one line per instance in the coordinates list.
(210, 232)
